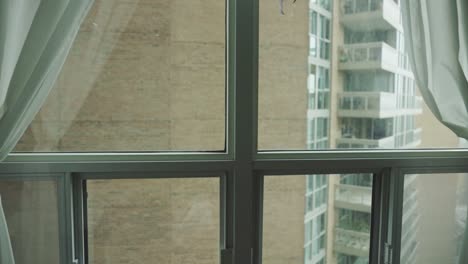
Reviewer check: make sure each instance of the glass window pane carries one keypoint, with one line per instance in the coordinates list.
(141, 76)
(297, 228)
(356, 48)
(154, 221)
(434, 222)
(31, 212)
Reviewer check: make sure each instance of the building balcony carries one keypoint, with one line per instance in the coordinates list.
(368, 56)
(385, 143)
(370, 15)
(352, 242)
(367, 104)
(374, 105)
(356, 198)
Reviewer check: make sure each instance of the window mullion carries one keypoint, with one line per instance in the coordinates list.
(380, 216)
(396, 213)
(64, 191)
(244, 18)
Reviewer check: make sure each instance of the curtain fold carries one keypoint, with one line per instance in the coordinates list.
(35, 38)
(436, 40)
(437, 43)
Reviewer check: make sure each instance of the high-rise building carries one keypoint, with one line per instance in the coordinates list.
(374, 105)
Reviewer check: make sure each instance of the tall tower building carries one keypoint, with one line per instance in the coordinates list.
(362, 94)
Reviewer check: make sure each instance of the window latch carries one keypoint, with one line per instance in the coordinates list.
(388, 252)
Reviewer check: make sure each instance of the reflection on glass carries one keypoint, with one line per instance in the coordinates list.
(301, 225)
(356, 68)
(154, 221)
(31, 212)
(141, 76)
(434, 221)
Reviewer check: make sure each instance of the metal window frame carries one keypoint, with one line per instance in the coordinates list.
(242, 165)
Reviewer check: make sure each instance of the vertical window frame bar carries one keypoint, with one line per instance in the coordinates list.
(380, 216)
(79, 223)
(245, 22)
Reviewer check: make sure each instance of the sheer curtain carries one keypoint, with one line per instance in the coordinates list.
(436, 39)
(35, 38)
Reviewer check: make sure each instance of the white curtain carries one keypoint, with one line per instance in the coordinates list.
(35, 38)
(436, 40)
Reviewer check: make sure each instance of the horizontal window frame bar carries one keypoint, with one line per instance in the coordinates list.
(117, 156)
(351, 154)
(371, 154)
(91, 176)
(278, 167)
(17, 176)
(187, 167)
(434, 170)
(319, 162)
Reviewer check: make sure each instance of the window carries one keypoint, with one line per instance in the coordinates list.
(137, 79)
(285, 176)
(427, 197)
(164, 220)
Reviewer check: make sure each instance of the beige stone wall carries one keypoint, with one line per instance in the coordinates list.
(283, 219)
(282, 104)
(142, 75)
(154, 221)
(282, 110)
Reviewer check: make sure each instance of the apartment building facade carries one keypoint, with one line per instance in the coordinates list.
(367, 99)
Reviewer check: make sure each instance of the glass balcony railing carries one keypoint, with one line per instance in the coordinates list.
(367, 104)
(375, 105)
(368, 56)
(352, 242)
(353, 6)
(386, 142)
(370, 14)
(353, 197)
